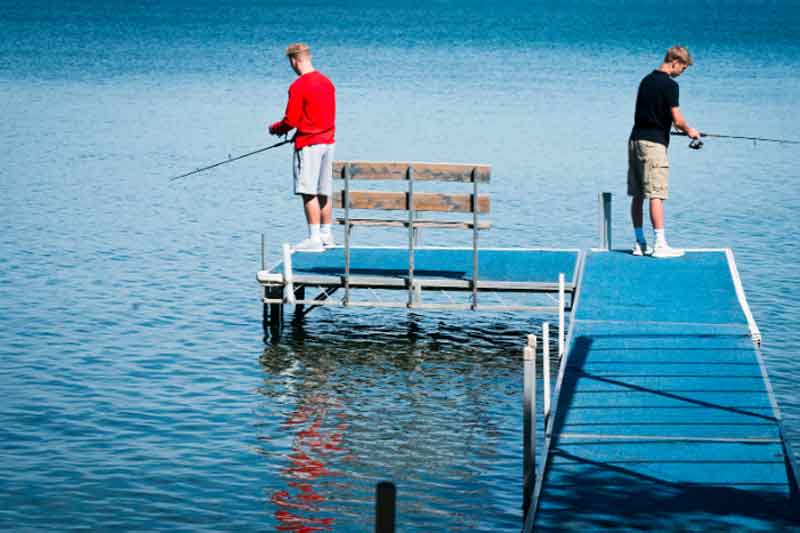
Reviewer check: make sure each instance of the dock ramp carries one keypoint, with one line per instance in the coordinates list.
(664, 417)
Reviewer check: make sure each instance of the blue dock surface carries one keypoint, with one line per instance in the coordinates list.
(498, 265)
(664, 416)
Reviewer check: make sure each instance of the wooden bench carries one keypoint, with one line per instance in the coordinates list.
(412, 203)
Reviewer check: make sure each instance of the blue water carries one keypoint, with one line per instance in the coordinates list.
(137, 391)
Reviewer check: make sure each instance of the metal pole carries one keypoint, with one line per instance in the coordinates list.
(474, 238)
(605, 220)
(546, 368)
(288, 278)
(385, 496)
(560, 315)
(529, 423)
(411, 217)
(347, 176)
(263, 255)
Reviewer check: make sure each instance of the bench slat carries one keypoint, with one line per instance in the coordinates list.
(423, 201)
(484, 224)
(389, 170)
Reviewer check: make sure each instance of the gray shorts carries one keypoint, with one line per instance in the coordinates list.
(313, 170)
(648, 169)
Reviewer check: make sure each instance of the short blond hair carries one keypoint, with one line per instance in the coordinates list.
(297, 50)
(679, 53)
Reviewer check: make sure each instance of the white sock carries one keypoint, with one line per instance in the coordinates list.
(659, 235)
(639, 234)
(325, 229)
(313, 232)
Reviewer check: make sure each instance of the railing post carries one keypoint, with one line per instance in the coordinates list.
(546, 369)
(347, 227)
(561, 303)
(411, 217)
(474, 207)
(529, 423)
(605, 220)
(385, 495)
(288, 277)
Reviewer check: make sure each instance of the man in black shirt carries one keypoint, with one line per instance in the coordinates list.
(657, 109)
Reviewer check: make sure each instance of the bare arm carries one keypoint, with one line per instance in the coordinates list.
(680, 123)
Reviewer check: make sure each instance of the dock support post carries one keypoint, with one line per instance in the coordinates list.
(299, 309)
(529, 424)
(385, 496)
(546, 369)
(605, 220)
(273, 313)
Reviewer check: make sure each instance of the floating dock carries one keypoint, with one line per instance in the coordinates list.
(440, 275)
(664, 417)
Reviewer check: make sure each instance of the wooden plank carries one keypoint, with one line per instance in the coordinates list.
(423, 201)
(417, 223)
(393, 170)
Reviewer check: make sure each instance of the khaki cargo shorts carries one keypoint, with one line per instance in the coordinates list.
(648, 170)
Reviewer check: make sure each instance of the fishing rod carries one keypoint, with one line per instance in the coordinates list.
(696, 144)
(232, 159)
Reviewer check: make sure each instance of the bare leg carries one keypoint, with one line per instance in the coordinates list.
(657, 213)
(326, 209)
(311, 207)
(637, 216)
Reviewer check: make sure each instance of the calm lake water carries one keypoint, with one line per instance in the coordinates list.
(137, 390)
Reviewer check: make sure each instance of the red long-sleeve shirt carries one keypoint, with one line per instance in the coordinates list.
(311, 110)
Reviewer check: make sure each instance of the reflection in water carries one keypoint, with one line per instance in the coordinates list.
(426, 401)
(299, 505)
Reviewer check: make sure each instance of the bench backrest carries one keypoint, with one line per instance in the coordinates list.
(412, 171)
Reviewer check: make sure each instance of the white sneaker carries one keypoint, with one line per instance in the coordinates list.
(309, 245)
(637, 249)
(665, 251)
(327, 240)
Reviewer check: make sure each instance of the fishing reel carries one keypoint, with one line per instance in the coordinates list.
(695, 144)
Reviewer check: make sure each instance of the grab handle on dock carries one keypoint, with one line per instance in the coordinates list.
(546, 368)
(529, 420)
(288, 278)
(605, 220)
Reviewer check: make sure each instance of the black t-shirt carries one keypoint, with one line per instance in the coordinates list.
(658, 94)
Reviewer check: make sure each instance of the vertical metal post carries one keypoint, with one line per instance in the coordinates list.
(546, 368)
(605, 220)
(263, 254)
(529, 423)
(385, 503)
(561, 315)
(474, 238)
(411, 217)
(288, 277)
(346, 201)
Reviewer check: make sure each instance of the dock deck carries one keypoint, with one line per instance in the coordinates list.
(437, 270)
(664, 416)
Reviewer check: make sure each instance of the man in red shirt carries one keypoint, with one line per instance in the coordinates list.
(312, 112)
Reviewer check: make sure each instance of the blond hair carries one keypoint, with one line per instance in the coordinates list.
(297, 50)
(679, 53)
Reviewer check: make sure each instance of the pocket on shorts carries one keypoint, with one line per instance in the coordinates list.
(657, 178)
